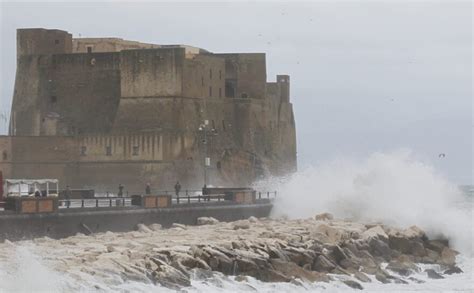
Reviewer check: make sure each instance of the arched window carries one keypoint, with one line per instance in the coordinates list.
(4, 155)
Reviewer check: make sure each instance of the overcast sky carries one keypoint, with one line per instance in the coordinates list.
(365, 76)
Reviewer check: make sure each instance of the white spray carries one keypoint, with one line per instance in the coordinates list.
(393, 188)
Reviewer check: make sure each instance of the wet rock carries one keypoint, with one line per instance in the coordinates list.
(253, 219)
(430, 257)
(242, 224)
(143, 228)
(362, 277)
(380, 248)
(353, 284)
(293, 270)
(323, 264)
(375, 232)
(402, 268)
(448, 256)
(436, 245)
(207, 221)
(324, 217)
(168, 276)
(453, 270)
(155, 227)
(432, 274)
(331, 234)
(241, 278)
(111, 248)
(179, 226)
(270, 275)
(418, 281)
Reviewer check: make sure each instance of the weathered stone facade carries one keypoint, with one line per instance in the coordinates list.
(103, 111)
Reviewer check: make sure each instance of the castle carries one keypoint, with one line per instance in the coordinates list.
(98, 112)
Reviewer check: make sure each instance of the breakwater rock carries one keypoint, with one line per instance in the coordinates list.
(271, 250)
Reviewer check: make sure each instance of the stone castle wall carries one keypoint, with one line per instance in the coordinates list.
(131, 116)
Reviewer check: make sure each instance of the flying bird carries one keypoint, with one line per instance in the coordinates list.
(442, 155)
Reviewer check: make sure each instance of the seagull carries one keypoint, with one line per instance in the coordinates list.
(442, 155)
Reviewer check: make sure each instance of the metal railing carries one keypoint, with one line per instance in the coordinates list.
(184, 197)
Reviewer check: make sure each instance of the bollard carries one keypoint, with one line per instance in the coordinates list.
(96, 203)
(189, 199)
(177, 199)
(259, 195)
(110, 202)
(268, 194)
(82, 203)
(123, 202)
(68, 203)
(199, 198)
(107, 194)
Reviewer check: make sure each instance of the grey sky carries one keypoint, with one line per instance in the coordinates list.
(365, 76)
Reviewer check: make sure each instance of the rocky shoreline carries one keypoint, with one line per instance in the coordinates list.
(270, 250)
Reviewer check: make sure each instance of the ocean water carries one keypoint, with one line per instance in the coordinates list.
(392, 188)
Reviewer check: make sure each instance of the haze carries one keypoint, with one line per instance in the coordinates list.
(365, 77)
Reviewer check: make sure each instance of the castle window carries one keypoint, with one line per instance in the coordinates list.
(220, 74)
(223, 125)
(108, 150)
(54, 99)
(202, 81)
(210, 91)
(56, 42)
(135, 150)
(89, 49)
(83, 150)
(220, 92)
(4, 155)
(210, 73)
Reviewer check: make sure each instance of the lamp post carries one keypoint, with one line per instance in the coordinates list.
(207, 160)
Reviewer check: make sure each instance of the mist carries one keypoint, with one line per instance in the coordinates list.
(394, 188)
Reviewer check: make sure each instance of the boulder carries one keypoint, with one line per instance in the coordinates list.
(178, 226)
(143, 228)
(453, 270)
(448, 256)
(242, 224)
(324, 217)
(362, 277)
(155, 227)
(253, 219)
(207, 221)
(437, 245)
(293, 270)
(432, 274)
(379, 248)
(353, 284)
(323, 264)
(332, 235)
(168, 276)
(402, 268)
(374, 232)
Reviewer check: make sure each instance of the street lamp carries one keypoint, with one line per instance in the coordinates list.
(207, 160)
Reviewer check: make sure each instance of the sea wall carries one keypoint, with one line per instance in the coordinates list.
(70, 222)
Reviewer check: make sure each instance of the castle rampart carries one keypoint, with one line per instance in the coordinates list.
(107, 110)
